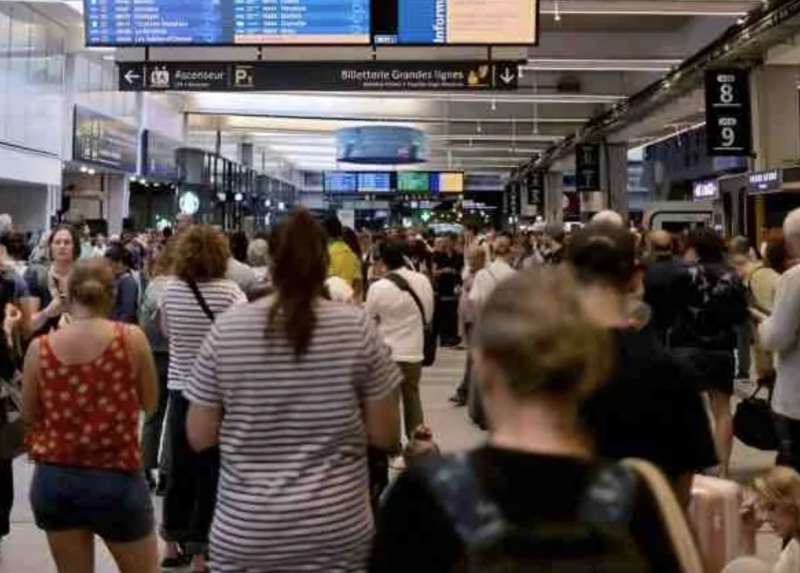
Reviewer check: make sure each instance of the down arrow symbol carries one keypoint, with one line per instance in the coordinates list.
(508, 76)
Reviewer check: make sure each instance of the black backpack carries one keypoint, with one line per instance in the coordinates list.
(599, 542)
(716, 303)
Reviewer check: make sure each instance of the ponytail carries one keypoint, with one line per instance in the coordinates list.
(300, 266)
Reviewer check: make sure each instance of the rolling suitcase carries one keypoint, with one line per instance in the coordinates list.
(715, 516)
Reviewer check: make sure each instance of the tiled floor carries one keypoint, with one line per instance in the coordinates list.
(25, 551)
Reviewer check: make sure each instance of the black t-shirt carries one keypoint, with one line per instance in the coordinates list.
(651, 409)
(665, 286)
(414, 533)
(446, 283)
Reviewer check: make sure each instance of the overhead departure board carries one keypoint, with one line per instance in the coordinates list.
(455, 22)
(375, 182)
(227, 22)
(310, 22)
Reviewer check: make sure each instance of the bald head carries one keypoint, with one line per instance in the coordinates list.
(661, 241)
(608, 217)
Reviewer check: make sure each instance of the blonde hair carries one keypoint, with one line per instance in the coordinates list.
(536, 330)
(781, 486)
(91, 285)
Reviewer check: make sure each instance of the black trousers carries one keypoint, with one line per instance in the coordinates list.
(6, 495)
(154, 425)
(445, 318)
(191, 493)
(788, 431)
(463, 388)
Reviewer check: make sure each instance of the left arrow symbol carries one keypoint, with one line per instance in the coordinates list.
(132, 76)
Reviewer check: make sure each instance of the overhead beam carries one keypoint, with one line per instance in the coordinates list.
(721, 8)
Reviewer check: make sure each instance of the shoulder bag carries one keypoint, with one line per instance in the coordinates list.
(429, 345)
(201, 300)
(12, 429)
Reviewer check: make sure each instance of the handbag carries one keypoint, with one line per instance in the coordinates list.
(429, 336)
(754, 423)
(12, 428)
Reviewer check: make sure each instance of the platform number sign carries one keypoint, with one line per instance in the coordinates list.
(587, 167)
(728, 114)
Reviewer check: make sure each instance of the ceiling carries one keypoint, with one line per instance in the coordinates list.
(591, 54)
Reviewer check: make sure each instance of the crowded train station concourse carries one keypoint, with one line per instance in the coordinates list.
(378, 286)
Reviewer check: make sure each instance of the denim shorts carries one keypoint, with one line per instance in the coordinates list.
(115, 506)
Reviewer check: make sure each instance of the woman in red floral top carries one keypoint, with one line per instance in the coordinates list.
(84, 388)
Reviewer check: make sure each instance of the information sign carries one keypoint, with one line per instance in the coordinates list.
(319, 76)
(105, 141)
(728, 114)
(587, 168)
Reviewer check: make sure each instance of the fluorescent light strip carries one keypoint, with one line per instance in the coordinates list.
(607, 65)
(488, 97)
(398, 119)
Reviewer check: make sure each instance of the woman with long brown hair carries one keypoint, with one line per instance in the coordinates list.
(191, 301)
(293, 388)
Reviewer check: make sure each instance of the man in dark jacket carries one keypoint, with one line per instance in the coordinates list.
(661, 283)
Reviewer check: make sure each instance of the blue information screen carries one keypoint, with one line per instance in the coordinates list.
(375, 182)
(226, 22)
(340, 182)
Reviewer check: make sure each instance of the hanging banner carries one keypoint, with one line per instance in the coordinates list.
(729, 120)
(318, 76)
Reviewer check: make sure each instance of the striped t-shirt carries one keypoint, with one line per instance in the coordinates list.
(188, 324)
(293, 489)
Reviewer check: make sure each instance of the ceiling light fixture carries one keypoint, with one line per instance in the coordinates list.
(557, 13)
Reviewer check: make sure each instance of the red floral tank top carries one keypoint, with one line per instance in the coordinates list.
(88, 413)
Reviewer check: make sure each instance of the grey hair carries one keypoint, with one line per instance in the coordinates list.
(791, 225)
(258, 253)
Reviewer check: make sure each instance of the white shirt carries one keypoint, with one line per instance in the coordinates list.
(487, 280)
(397, 315)
(780, 333)
(790, 559)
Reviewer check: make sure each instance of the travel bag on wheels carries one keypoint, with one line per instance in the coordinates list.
(715, 516)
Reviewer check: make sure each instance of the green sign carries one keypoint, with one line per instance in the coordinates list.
(413, 182)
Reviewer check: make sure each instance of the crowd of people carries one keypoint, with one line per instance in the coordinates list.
(277, 376)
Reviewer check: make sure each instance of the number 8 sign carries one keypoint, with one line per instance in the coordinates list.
(728, 114)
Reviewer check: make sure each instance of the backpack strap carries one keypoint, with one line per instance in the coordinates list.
(403, 285)
(610, 498)
(455, 487)
(201, 300)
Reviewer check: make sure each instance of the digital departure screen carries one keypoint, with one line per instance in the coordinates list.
(455, 22)
(447, 182)
(340, 182)
(310, 22)
(413, 182)
(375, 182)
(226, 22)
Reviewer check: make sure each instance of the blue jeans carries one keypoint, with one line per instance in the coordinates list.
(114, 505)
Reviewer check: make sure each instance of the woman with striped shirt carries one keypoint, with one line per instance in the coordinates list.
(199, 293)
(293, 388)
